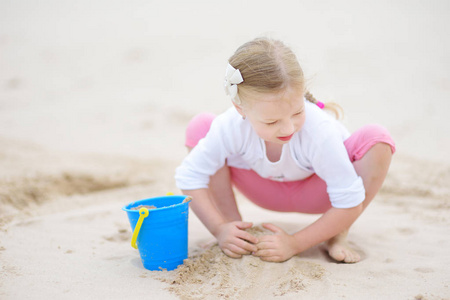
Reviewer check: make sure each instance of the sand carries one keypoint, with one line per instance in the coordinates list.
(94, 99)
(142, 206)
(210, 272)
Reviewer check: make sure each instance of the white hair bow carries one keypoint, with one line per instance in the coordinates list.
(232, 78)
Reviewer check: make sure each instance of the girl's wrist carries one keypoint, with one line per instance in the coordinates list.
(215, 230)
(300, 244)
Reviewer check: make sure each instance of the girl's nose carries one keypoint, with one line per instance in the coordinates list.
(287, 128)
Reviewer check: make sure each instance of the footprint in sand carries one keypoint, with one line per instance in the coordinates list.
(122, 235)
(406, 231)
(424, 270)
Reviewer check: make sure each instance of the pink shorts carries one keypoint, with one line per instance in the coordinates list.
(308, 195)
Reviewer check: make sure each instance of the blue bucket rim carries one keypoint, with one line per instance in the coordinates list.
(136, 203)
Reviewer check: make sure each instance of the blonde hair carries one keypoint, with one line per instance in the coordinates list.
(269, 66)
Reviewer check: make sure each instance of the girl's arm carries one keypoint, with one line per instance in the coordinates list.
(282, 246)
(232, 237)
(333, 222)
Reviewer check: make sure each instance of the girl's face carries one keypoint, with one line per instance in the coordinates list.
(275, 117)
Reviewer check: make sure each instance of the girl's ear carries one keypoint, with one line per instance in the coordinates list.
(239, 109)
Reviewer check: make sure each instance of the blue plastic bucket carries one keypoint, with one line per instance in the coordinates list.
(162, 238)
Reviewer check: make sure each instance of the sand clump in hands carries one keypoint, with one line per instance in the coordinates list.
(210, 272)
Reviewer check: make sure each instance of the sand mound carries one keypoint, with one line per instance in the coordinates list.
(210, 272)
(20, 192)
(30, 175)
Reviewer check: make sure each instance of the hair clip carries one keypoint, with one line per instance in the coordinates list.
(232, 78)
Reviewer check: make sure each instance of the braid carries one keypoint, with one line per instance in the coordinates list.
(335, 108)
(310, 97)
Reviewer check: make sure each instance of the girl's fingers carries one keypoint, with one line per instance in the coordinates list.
(273, 228)
(241, 247)
(235, 251)
(247, 246)
(231, 254)
(264, 244)
(238, 250)
(244, 225)
(268, 255)
(264, 253)
(244, 235)
(265, 239)
(272, 258)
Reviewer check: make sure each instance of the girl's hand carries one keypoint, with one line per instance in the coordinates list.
(234, 241)
(277, 247)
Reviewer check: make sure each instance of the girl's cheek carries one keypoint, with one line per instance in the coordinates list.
(301, 123)
(266, 132)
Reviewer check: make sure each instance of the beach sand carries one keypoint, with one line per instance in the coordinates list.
(94, 99)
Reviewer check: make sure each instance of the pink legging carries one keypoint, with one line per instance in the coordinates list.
(308, 195)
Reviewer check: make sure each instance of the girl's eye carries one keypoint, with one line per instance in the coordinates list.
(272, 123)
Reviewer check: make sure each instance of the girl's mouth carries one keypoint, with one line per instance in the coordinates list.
(285, 138)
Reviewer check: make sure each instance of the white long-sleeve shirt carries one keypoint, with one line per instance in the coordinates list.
(317, 148)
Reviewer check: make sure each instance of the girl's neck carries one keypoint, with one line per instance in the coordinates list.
(273, 151)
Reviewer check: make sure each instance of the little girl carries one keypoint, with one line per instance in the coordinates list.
(283, 152)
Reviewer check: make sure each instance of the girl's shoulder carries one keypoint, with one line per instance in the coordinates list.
(229, 115)
(229, 131)
(230, 121)
(231, 128)
(315, 115)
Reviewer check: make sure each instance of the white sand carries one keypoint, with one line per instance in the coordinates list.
(94, 98)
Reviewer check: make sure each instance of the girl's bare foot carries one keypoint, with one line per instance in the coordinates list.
(340, 250)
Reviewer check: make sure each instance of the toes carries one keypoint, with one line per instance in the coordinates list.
(356, 257)
(351, 257)
(344, 254)
(337, 254)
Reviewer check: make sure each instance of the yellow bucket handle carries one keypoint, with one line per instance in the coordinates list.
(143, 213)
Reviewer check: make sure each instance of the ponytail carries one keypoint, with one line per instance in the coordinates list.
(335, 108)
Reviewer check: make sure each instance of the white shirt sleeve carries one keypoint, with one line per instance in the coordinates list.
(209, 155)
(329, 160)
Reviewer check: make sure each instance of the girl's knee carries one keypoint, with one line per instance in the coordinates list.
(381, 154)
(376, 131)
(197, 128)
(365, 138)
(380, 135)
